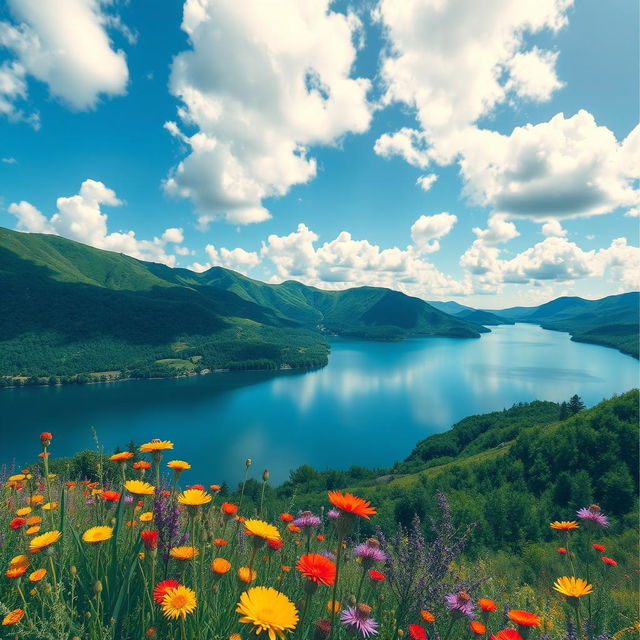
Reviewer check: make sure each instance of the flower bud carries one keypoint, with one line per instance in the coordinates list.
(247, 462)
(97, 587)
(265, 475)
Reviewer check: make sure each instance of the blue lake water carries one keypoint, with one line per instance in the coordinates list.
(369, 406)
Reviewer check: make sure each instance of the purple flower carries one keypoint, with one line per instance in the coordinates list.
(328, 554)
(307, 519)
(358, 618)
(460, 601)
(370, 552)
(334, 514)
(593, 514)
(128, 499)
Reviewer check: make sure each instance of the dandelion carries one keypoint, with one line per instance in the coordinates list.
(359, 618)
(268, 611)
(97, 534)
(564, 525)
(13, 617)
(139, 488)
(44, 541)
(161, 589)
(593, 515)
(178, 602)
(524, 618)
(317, 568)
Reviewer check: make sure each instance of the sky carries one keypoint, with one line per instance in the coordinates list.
(483, 152)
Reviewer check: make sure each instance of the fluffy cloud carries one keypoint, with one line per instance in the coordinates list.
(80, 218)
(553, 228)
(237, 259)
(426, 182)
(454, 61)
(498, 231)
(427, 229)
(63, 43)
(346, 262)
(261, 84)
(408, 143)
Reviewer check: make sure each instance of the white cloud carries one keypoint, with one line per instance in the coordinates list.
(408, 143)
(9, 160)
(426, 182)
(63, 43)
(532, 74)
(633, 213)
(80, 218)
(426, 229)
(262, 83)
(498, 231)
(553, 228)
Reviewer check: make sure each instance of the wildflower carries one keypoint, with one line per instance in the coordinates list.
(609, 561)
(322, 629)
(200, 487)
(110, 496)
(15, 572)
(285, 568)
(178, 602)
(50, 506)
(19, 561)
(37, 575)
(141, 465)
(178, 465)
(139, 488)
(17, 523)
(359, 618)
(267, 610)
(349, 504)
(572, 587)
(246, 575)
(97, 534)
(564, 525)
(13, 617)
(376, 576)
(46, 438)
(293, 528)
(274, 545)
(334, 514)
(261, 529)
(333, 606)
(183, 553)
(317, 568)
(162, 588)
(307, 519)
(194, 497)
(44, 541)
(229, 509)
(320, 538)
(524, 618)
(220, 542)
(599, 547)
(150, 539)
(32, 530)
(417, 632)
(220, 566)
(460, 601)
(594, 515)
(486, 605)
(214, 487)
(122, 456)
(33, 520)
(477, 627)
(147, 516)
(427, 616)
(562, 551)
(24, 511)
(37, 498)
(370, 552)
(286, 517)
(507, 634)
(156, 445)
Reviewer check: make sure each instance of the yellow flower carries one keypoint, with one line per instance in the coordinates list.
(12, 617)
(183, 553)
(194, 497)
(19, 561)
(33, 530)
(50, 506)
(43, 541)
(178, 602)
(147, 516)
(572, 587)
(17, 477)
(333, 606)
(37, 498)
(261, 529)
(123, 456)
(156, 445)
(24, 511)
(178, 465)
(139, 488)
(565, 525)
(246, 575)
(97, 534)
(33, 520)
(267, 610)
(37, 575)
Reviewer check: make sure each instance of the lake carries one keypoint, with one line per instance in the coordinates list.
(369, 406)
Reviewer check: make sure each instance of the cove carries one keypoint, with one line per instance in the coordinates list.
(369, 406)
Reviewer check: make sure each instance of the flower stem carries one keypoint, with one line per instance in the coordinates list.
(335, 585)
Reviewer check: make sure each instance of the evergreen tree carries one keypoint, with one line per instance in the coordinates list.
(564, 411)
(575, 404)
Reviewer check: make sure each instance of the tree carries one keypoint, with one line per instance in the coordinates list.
(564, 411)
(575, 404)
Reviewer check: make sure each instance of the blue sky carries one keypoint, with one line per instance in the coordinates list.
(285, 139)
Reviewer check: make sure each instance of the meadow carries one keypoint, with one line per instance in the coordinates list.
(134, 555)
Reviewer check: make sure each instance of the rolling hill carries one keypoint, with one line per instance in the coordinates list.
(73, 312)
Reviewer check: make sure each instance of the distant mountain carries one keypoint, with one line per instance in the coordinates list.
(482, 317)
(68, 309)
(450, 306)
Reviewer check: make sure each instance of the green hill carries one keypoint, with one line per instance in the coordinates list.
(70, 311)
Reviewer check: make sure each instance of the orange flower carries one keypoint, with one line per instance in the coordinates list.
(214, 487)
(246, 575)
(13, 617)
(350, 504)
(317, 568)
(524, 618)
(564, 525)
(286, 517)
(427, 616)
(478, 628)
(228, 508)
(141, 464)
(110, 496)
(220, 542)
(333, 606)
(293, 528)
(487, 605)
(122, 456)
(16, 572)
(220, 566)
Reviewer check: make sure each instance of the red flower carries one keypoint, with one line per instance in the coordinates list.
(561, 550)
(220, 542)
(286, 517)
(487, 605)
(599, 547)
(162, 588)
(110, 496)
(320, 537)
(317, 568)
(417, 632)
(46, 438)
(293, 528)
(228, 508)
(197, 486)
(604, 559)
(17, 523)
(377, 576)
(506, 634)
(275, 544)
(150, 539)
(478, 628)
(214, 487)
